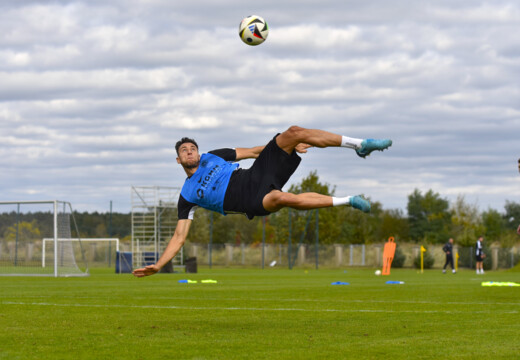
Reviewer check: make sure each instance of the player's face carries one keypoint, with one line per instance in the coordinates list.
(188, 156)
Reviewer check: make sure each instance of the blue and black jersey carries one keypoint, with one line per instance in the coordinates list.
(207, 187)
(219, 185)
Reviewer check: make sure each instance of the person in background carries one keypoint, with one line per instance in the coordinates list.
(479, 255)
(448, 250)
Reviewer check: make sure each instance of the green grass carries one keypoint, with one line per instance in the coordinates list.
(255, 314)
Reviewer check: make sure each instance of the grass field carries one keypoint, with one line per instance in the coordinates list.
(261, 314)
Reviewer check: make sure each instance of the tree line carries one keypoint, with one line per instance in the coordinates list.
(430, 218)
(38, 225)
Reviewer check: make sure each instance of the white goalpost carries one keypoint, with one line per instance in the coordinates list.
(23, 225)
(85, 243)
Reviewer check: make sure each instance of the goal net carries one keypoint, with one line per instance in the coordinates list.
(24, 225)
(99, 252)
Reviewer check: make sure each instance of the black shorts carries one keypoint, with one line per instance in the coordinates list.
(270, 171)
(479, 258)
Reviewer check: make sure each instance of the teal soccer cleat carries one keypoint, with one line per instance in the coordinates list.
(369, 145)
(357, 202)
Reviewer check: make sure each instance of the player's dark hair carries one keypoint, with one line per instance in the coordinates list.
(183, 141)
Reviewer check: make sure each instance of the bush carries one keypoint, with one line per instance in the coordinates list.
(428, 261)
(399, 258)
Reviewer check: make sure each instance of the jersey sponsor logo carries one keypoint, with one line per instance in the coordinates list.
(207, 187)
(206, 180)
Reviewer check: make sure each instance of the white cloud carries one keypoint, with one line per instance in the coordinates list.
(93, 95)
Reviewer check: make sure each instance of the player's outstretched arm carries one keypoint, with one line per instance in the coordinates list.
(248, 153)
(175, 245)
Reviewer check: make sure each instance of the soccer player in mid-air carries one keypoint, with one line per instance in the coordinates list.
(216, 183)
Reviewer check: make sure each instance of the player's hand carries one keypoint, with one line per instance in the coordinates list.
(518, 230)
(302, 148)
(146, 271)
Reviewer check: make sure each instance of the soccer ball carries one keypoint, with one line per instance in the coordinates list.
(378, 272)
(253, 30)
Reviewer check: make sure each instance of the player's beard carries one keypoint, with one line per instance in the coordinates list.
(191, 165)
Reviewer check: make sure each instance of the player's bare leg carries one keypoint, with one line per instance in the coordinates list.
(289, 139)
(277, 200)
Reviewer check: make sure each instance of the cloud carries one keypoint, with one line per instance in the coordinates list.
(94, 95)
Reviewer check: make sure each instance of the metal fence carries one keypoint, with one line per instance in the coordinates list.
(339, 255)
(102, 254)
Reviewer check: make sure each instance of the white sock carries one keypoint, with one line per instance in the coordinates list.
(351, 143)
(337, 201)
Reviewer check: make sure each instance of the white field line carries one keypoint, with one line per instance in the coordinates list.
(387, 301)
(223, 308)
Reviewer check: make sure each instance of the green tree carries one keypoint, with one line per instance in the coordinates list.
(23, 231)
(466, 222)
(502, 227)
(270, 231)
(392, 223)
(340, 224)
(234, 229)
(428, 217)
(494, 224)
(358, 227)
(512, 215)
(303, 222)
(200, 227)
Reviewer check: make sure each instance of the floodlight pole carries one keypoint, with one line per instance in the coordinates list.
(56, 238)
(289, 241)
(109, 235)
(17, 235)
(210, 236)
(317, 236)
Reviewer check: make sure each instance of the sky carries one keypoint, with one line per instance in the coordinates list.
(94, 94)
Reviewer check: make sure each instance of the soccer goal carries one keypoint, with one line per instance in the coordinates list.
(23, 225)
(99, 252)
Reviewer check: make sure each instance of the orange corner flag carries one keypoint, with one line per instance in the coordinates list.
(388, 255)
